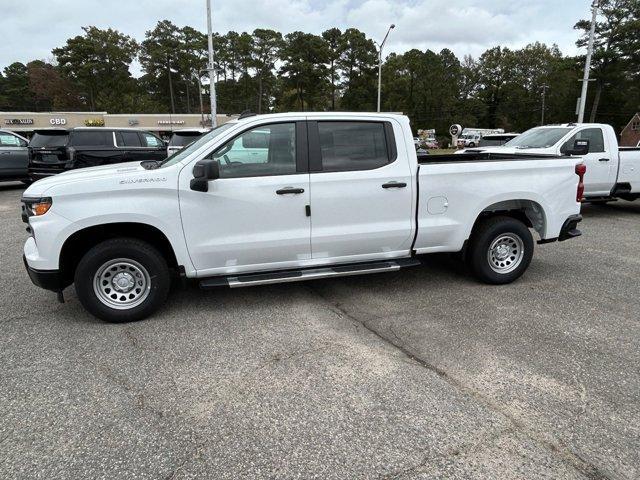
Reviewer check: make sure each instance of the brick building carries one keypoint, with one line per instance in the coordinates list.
(630, 136)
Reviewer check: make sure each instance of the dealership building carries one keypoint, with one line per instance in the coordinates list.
(25, 123)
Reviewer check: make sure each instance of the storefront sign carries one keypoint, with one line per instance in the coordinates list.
(58, 121)
(19, 121)
(170, 122)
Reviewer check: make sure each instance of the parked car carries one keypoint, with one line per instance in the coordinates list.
(497, 139)
(331, 195)
(13, 157)
(56, 150)
(612, 171)
(183, 137)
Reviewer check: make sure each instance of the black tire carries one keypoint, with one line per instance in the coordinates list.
(503, 266)
(472, 145)
(144, 262)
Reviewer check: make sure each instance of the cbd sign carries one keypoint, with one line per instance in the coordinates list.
(455, 130)
(58, 121)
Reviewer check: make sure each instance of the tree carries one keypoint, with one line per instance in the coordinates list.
(266, 48)
(16, 87)
(50, 89)
(357, 62)
(98, 63)
(159, 57)
(304, 71)
(333, 37)
(616, 57)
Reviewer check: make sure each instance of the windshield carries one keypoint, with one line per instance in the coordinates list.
(185, 152)
(539, 137)
(183, 139)
(49, 139)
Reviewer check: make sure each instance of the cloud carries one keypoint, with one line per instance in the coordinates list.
(31, 29)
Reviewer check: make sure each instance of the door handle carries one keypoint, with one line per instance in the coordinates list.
(290, 191)
(604, 160)
(394, 185)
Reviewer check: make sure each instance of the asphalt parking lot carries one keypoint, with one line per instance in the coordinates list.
(419, 374)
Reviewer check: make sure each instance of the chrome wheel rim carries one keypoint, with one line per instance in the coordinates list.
(505, 253)
(122, 284)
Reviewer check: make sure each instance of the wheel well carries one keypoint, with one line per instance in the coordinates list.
(81, 241)
(527, 211)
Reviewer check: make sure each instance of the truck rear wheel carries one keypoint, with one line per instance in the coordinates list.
(122, 280)
(500, 250)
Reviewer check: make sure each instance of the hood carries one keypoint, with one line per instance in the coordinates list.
(40, 187)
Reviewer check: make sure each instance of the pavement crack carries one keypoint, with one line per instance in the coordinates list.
(588, 469)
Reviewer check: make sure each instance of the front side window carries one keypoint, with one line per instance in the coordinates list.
(348, 146)
(595, 137)
(151, 140)
(264, 150)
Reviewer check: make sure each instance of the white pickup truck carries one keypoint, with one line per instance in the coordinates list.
(612, 171)
(323, 195)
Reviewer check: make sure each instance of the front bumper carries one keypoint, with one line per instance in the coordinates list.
(47, 279)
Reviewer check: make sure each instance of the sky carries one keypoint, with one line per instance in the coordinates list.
(32, 28)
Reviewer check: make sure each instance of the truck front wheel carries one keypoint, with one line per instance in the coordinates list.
(500, 250)
(122, 280)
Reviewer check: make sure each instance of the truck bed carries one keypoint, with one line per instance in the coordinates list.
(453, 190)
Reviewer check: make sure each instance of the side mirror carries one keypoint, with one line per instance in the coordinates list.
(580, 148)
(204, 171)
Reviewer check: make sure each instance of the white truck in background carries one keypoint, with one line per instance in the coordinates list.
(612, 171)
(470, 137)
(320, 195)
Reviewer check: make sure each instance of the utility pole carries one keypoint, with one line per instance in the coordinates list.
(212, 81)
(544, 94)
(392, 26)
(587, 64)
(200, 95)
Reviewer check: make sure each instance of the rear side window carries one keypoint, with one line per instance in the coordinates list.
(8, 140)
(128, 139)
(151, 140)
(96, 138)
(595, 137)
(49, 139)
(347, 146)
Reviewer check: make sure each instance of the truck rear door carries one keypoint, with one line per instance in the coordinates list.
(361, 191)
(601, 161)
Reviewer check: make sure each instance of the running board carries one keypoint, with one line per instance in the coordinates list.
(252, 279)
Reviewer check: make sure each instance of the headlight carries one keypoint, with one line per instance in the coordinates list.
(35, 207)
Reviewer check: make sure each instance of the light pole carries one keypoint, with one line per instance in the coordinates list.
(544, 94)
(212, 82)
(380, 63)
(587, 63)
